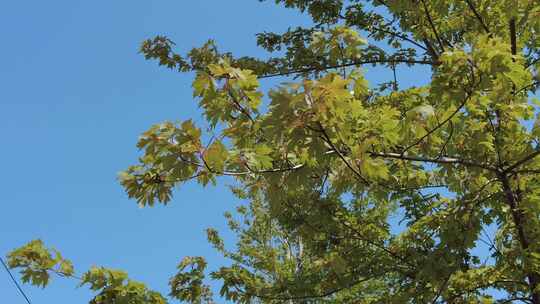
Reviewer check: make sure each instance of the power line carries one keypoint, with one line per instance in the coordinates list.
(15, 281)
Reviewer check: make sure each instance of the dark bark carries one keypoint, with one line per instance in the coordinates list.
(513, 201)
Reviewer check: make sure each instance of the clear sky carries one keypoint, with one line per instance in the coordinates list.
(74, 97)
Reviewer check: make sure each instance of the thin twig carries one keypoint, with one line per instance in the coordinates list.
(439, 125)
(341, 156)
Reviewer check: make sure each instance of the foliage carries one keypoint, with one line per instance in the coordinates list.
(188, 286)
(36, 260)
(329, 164)
(111, 286)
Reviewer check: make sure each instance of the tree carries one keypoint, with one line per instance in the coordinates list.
(328, 162)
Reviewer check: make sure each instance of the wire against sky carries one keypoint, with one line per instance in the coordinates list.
(15, 281)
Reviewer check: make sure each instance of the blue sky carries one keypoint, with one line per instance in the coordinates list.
(74, 97)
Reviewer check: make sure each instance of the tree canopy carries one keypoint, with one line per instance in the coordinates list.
(354, 191)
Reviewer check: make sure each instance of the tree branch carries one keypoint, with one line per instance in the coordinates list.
(432, 25)
(522, 161)
(240, 173)
(402, 37)
(517, 213)
(475, 12)
(513, 37)
(442, 160)
(354, 63)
